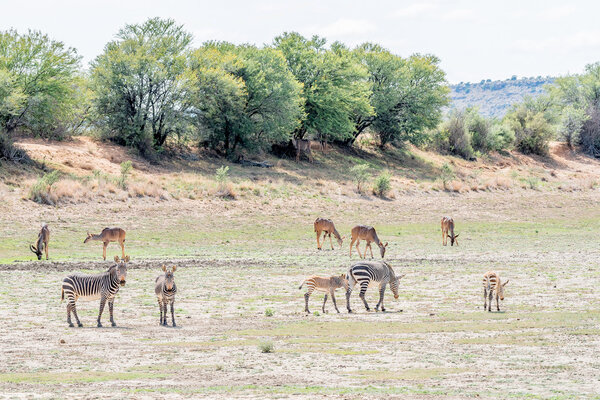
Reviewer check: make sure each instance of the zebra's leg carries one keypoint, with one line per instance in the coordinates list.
(497, 303)
(490, 300)
(74, 309)
(111, 303)
(324, 301)
(69, 315)
(173, 313)
(363, 289)
(102, 303)
(306, 297)
(161, 313)
(484, 299)
(165, 313)
(381, 293)
(333, 299)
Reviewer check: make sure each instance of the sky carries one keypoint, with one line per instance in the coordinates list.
(475, 39)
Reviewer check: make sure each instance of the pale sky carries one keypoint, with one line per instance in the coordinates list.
(474, 39)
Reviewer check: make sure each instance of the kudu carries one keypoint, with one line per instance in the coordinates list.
(448, 226)
(42, 242)
(109, 235)
(363, 232)
(302, 146)
(326, 225)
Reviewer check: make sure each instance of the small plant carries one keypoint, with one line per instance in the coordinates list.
(269, 312)
(360, 174)
(40, 191)
(532, 182)
(126, 168)
(446, 175)
(266, 347)
(316, 313)
(382, 184)
(222, 175)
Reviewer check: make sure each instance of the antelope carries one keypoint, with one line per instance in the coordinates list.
(302, 146)
(323, 284)
(42, 242)
(492, 285)
(165, 290)
(109, 235)
(448, 225)
(366, 233)
(326, 225)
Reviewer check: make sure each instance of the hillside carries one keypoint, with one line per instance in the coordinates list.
(494, 98)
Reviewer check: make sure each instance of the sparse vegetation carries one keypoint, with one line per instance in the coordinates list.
(360, 175)
(126, 168)
(382, 185)
(269, 312)
(266, 347)
(40, 192)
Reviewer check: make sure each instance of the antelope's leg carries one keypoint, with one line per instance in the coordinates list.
(324, 301)
(104, 250)
(111, 303)
(358, 249)
(122, 248)
(173, 312)
(318, 237)
(332, 291)
(330, 242)
(46, 251)
(351, 244)
(363, 289)
(348, 292)
(102, 303)
(370, 249)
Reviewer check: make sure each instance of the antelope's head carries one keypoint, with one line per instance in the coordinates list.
(36, 250)
(501, 290)
(340, 240)
(382, 248)
(87, 239)
(121, 269)
(394, 285)
(453, 239)
(169, 278)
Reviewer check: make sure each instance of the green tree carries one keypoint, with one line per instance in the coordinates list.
(38, 83)
(406, 94)
(141, 83)
(531, 127)
(335, 88)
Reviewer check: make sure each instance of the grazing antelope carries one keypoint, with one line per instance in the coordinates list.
(302, 146)
(103, 286)
(448, 225)
(326, 225)
(367, 273)
(366, 233)
(165, 290)
(491, 285)
(322, 284)
(42, 242)
(109, 235)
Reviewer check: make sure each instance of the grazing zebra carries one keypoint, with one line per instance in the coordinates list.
(165, 290)
(103, 286)
(491, 285)
(327, 285)
(368, 273)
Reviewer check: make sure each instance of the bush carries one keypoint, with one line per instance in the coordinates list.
(360, 174)
(126, 168)
(531, 129)
(446, 175)
(266, 347)
(382, 184)
(480, 130)
(40, 191)
(222, 175)
(458, 136)
(502, 137)
(269, 312)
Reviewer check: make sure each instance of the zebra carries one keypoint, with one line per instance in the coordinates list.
(322, 284)
(165, 290)
(492, 285)
(103, 286)
(367, 273)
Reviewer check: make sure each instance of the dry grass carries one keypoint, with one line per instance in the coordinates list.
(147, 189)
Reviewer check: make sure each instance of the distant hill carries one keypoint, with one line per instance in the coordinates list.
(494, 98)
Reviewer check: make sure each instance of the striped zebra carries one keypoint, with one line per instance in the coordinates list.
(323, 284)
(369, 273)
(165, 290)
(103, 286)
(492, 285)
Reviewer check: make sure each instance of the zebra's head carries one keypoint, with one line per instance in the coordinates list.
(394, 285)
(169, 278)
(121, 269)
(501, 290)
(382, 248)
(453, 239)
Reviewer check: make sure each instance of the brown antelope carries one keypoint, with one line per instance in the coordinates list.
(448, 225)
(42, 242)
(109, 235)
(326, 225)
(323, 284)
(302, 146)
(366, 233)
(492, 285)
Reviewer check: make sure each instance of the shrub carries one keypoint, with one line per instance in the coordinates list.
(269, 312)
(40, 191)
(571, 123)
(9, 151)
(446, 174)
(382, 184)
(126, 168)
(531, 129)
(222, 175)
(502, 137)
(360, 174)
(480, 130)
(458, 135)
(266, 347)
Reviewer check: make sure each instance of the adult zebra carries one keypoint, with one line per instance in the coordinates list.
(369, 273)
(103, 286)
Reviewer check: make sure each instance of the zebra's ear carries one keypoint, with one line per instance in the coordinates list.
(401, 276)
(504, 284)
(116, 259)
(174, 268)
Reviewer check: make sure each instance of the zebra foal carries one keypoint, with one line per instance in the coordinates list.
(103, 286)
(492, 285)
(370, 273)
(165, 290)
(322, 284)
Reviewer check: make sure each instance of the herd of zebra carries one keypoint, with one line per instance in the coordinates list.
(105, 286)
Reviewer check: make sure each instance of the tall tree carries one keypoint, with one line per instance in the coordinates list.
(141, 83)
(335, 87)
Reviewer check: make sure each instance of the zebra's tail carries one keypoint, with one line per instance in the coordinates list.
(62, 294)
(302, 284)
